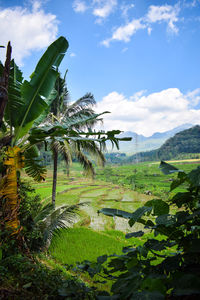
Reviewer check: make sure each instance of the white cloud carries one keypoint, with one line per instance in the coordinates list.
(72, 54)
(164, 13)
(124, 33)
(159, 111)
(155, 14)
(104, 8)
(27, 30)
(125, 9)
(190, 4)
(194, 97)
(79, 6)
(149, 30)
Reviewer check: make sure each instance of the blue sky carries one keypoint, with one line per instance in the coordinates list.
(140, 59)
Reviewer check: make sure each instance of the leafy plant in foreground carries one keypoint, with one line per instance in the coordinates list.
(41, 222)
(168, 265)
(22, 278)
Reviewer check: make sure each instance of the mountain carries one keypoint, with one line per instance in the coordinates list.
(186, 141)
(170, 133)
(141, 143)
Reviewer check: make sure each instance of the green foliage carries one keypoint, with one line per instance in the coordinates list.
(40, 86)
(167, 267)
(33, 164)
(41, 222)
(146, 178)
(24, 278)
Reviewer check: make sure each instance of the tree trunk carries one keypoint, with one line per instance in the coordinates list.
(55, 167)
(9, 191)
(4, 83)
(67, 167)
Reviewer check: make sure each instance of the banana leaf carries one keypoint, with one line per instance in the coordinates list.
(15, 102)
(35, 92)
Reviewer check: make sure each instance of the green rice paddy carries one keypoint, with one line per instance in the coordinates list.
(92, 234)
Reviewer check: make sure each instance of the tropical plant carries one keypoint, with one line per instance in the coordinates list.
(40, 222)
(60, 110)
(18, 137)
(28, 99)
(167, 265)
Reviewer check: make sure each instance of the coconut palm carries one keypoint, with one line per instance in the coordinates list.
(19, 137)
(60, 110)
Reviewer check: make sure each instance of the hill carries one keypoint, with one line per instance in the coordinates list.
(184, 142)
(144, 143)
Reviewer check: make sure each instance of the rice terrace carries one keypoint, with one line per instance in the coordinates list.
(99, 150)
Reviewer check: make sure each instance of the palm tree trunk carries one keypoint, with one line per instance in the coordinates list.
(67, 166)
(55, 167)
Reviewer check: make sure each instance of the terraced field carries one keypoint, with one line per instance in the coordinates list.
(95, 195)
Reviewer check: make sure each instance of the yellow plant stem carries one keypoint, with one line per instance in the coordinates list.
(14, 161)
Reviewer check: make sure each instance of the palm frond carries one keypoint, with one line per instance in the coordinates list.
(33, 166)
(86, 115)
(67, 153)
(87, 101)
(85, 162)
(92, 148)
(60, 218)
(43, 213)
(59, 103)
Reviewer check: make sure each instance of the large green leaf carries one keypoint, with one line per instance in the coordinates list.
(15, 102)
(45, 113)
(35, 92)
(159, 206)
(115, 212)
(136, 216)
(194, 177)
(167, 168)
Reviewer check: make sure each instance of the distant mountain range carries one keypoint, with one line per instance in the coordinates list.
(141, 143)
(184, 142)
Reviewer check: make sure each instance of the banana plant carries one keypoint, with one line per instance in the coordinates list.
(23, 102)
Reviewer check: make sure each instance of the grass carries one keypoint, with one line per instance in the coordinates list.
(79, 244)
(119, 188)
(144, 177)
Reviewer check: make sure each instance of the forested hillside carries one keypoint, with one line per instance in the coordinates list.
(184, 142)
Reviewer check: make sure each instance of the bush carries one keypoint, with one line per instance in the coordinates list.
(24, 278)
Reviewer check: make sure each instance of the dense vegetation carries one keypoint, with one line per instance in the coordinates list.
(39, 253)
(145, 177)
(27, 226)
(166, 266)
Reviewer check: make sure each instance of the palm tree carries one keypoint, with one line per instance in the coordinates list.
(60, 110)
(19, 137)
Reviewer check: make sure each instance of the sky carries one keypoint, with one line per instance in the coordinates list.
(139, 58)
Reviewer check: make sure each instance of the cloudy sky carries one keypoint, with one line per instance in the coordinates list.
(140, 58)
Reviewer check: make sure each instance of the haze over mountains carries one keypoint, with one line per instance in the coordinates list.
(141, 143)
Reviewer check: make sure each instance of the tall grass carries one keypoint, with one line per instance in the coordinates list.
(78, 244)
